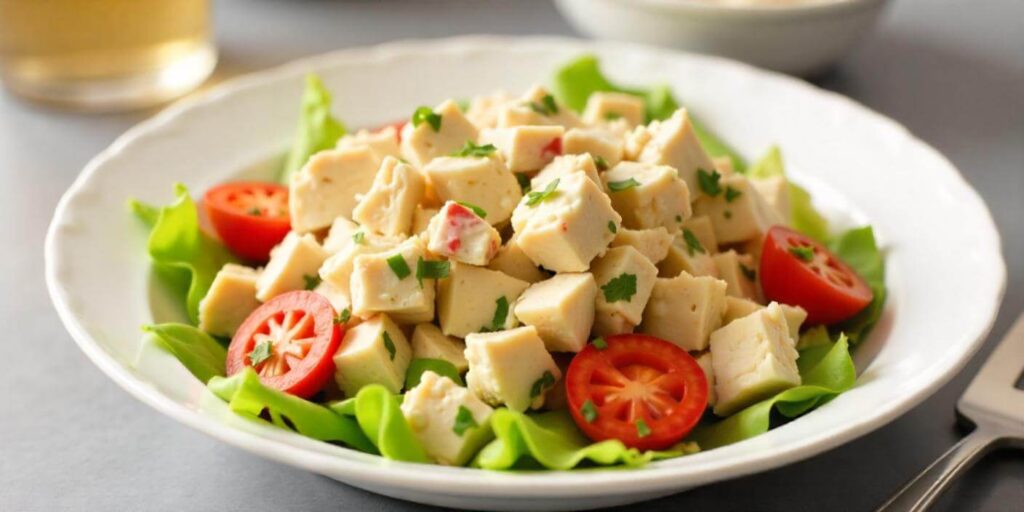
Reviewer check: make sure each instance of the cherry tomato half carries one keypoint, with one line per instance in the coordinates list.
(641, 390)
(250, 217)
(799, 271)
(290, 341)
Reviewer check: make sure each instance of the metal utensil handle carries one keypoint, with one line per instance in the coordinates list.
(920, 493)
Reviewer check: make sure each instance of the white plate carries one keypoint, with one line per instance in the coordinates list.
(945, 270)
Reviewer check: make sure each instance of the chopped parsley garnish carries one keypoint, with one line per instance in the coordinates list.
(500, 314)
(621, 288)
(399, 266)
(748, 272)
(255, 211)
(359, 237)
(261, 352)
(533, 198)
(480, 212)
(472, 149)
(463, 421)
(802, 252)
(312, 281)
(619, 186)
(642, 429)
(524, 181)
(612, 228)
(693, 245)
(708, 182)
(611, 116)
(589, 411)
(389, 345)
(599, 343)
(546, 106)
(426, 114)
(343, 317)
(542, 384)
(601, 163)
(731, 194)
(427, 269)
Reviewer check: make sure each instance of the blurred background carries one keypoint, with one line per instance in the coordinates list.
(77, 73)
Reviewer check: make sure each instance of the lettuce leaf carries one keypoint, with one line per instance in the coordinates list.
(380, 418)
(825, 371)
(247, 396)
(199, 352)
(575, 81)
(318, 129)
(803, 217)
(182, 254)
(439, 366)
(857, 247)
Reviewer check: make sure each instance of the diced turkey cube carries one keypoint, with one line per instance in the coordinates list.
(536, 107)
(526, 148)
(736, 307)
(460, 235)
(653, 243)
(386, 282)
(340, 235)
(738, 271)
(723, 164)
(561, 309)
(389, 205)
(428, 342)
(472, 299)
(738, 212)
(383, 142)
(775, 191)
(421, 218)
(293, 266)
(648, 196)
(483, 110)
(510, 367)
(625, 278)
(673, 142)
(422, 142)
(595, 141)
(704, 360)
(337, 270)
(795, 316)
(564, 165)
(687, 254)
(328, 185)
(565, 229)
(232, 297)
(700, 226)
(450, 422)
(513, 261)
(685, 310)
(609, 106)
(753, 358)
(484, 182)
(373, 352)
(338, 298)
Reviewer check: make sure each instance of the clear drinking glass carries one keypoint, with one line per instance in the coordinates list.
(104, 54)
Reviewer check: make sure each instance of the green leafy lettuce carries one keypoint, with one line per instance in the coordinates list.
(803, 216)
(199, 352)
(857, 247)
(577, 80)
(182, 254)
(318, 129)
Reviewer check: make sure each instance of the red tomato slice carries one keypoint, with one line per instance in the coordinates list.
(302, 336)
(799, 271)
(250, 217)
(641, 390)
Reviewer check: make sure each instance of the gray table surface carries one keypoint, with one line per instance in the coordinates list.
(951, 71)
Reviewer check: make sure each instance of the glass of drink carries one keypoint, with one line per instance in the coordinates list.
(104, 54)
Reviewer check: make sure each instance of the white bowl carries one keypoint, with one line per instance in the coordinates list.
(932, 224)
(800, 39)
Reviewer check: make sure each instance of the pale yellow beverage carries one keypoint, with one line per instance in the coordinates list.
(104, 54)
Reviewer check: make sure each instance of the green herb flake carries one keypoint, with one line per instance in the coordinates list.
(359, 237)
(542, 384)
(589, 411)
(471, 149)
(611, 116)
(427, 269)
(533, 198)
(500, 314)
(261, 352)
(693, 245)
(619, 186)
(399, 266)
(546, 106)
(748, 272)
(731, 194)
(464, 421)
(426, 114)
(389, 345)
(255, 211)
(524, 181)
(343, 317)
(480, 212)
(612, 228)
(708, 182)
(621, 288)
(802, 252)
(642, 429)
(311, 281)
(601, 163)
(599, 343)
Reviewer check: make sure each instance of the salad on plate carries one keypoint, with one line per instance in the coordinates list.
(574, 277)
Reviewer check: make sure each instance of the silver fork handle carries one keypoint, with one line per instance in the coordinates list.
(920, 493)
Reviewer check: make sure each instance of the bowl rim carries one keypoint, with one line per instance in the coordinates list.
(789, 12)
(412, 476)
